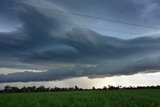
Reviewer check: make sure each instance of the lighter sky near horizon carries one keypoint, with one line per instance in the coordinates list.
(150, 79)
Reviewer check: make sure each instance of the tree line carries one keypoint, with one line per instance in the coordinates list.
(14, 89)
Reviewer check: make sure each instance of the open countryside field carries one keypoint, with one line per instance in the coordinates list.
(108, 98)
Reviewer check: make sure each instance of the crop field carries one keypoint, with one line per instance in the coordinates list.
(108, 98)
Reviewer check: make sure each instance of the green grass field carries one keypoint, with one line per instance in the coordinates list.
(108, 98)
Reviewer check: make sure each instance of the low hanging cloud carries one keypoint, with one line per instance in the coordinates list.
(106, 69)
(44, 39)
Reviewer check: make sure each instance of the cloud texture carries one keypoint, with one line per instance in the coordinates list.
(45, 39)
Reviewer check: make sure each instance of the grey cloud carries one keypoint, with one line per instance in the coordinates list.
(113, 68)
(43, 39)
(23, 42)
(121, 9)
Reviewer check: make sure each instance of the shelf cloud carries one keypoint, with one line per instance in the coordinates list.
(45, 38)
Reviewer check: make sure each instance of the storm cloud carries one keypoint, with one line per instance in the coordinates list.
(45, 38)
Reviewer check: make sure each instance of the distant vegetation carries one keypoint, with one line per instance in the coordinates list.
(14, 89)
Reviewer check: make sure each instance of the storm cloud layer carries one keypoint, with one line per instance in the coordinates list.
(44, 38)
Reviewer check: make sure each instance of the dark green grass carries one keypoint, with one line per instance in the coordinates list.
(108, 98)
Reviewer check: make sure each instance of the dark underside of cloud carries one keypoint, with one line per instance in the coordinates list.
(44, 39)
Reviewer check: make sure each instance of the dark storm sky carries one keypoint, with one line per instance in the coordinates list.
(45, 35)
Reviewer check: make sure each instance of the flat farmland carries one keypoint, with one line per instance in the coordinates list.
(97, 98)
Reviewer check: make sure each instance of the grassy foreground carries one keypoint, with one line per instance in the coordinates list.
(108, 98)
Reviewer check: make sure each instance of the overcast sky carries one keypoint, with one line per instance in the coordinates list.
(45, 40)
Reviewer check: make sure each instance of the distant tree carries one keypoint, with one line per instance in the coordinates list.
(14, 89)
(93, 88)
(56, 89)
(41, 89)
(70, 89)
(52, 89)
(31, 89)
(110, 87)
(7, 88)
(24, 89)
(47, 89)
(76, 88)
(104, 88)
